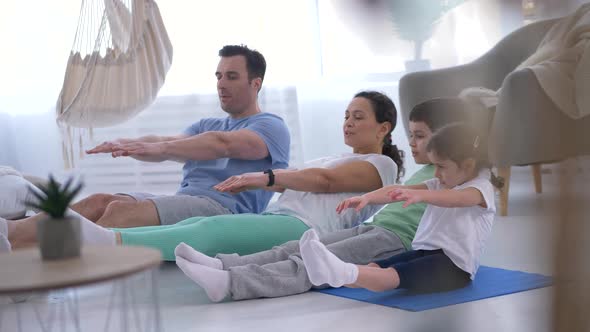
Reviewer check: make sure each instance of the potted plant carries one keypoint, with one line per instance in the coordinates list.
(58, 235)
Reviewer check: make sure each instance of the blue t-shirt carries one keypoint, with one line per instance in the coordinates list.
(199, 176)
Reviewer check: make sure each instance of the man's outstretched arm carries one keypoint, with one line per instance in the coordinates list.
(240, 144)
(109, 146)
(113, 147)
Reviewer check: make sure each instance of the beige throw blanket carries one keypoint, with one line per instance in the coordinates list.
(562, 63)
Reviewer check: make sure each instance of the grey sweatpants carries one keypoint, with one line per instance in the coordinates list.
(280, 271)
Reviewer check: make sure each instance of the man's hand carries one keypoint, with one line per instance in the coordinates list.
(243, 182)
(408, 196)
(140, 151)
(109, 146)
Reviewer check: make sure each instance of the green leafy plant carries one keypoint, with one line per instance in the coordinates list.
(55, 198)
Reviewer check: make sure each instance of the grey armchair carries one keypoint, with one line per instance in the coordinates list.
(527, 128)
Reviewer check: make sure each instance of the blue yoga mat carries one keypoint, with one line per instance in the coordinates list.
(489, 282)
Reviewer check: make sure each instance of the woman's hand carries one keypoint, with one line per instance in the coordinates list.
(243, 182)
(408, 196)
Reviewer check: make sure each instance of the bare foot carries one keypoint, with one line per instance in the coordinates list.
(23, 233)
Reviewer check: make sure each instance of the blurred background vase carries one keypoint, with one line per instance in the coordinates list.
(382, 24)
(416, 21)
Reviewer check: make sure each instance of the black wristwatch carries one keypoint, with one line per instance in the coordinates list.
(271, 177)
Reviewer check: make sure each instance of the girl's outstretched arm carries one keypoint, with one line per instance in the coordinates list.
(443, 198)
(379, 196)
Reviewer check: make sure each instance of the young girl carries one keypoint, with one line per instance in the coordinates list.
(451, 234)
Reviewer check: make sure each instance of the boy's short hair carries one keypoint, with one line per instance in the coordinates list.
(438, 112)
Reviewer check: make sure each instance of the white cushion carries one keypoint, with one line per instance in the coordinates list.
(13, 192)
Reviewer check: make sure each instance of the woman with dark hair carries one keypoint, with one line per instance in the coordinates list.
(308, 200)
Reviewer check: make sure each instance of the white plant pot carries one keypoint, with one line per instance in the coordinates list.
(417, 65)
(59, 238)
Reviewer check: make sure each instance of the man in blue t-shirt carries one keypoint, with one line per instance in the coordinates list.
(212, 150)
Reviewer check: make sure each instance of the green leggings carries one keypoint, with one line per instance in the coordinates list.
(226, 234)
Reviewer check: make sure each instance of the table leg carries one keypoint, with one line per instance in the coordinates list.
(124, 298)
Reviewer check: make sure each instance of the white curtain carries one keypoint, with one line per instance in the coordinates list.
(8, 154)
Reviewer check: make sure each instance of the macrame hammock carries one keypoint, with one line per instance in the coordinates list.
(117, 65)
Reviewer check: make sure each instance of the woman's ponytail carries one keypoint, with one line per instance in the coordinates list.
(396, 154)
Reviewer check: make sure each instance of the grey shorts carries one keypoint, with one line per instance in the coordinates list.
(174, 208)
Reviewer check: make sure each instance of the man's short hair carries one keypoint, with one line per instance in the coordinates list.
(255, 63)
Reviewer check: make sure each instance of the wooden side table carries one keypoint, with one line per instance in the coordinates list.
(23, 271)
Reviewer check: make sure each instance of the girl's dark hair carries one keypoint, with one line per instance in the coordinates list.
(459, 142)
(385, 111)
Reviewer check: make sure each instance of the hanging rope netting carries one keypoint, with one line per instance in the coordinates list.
(117, 65)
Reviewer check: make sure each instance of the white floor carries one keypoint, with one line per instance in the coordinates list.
(523, 240)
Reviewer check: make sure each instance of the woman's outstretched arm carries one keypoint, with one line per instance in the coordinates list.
(355, 176)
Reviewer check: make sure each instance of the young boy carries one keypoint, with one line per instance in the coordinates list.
(281, 271)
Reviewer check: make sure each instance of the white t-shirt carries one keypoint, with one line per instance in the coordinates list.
(318, 210)
(460, 232)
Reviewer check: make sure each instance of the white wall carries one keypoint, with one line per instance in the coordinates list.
(30, 143)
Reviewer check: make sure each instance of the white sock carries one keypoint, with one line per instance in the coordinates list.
(93, 234)
(4, 243)
(215, 282)
(187, 252)
(310, 234)
(323, 267)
